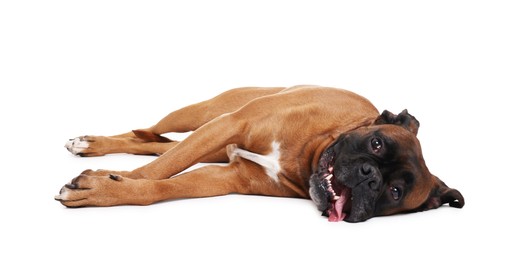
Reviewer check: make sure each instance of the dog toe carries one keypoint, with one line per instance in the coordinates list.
(71, 186)
(77, 145)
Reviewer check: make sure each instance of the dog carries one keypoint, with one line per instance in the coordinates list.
(325, 144)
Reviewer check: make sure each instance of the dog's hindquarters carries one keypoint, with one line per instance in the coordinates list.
(194, 116)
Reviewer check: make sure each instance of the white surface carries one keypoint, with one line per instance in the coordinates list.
(123, 65)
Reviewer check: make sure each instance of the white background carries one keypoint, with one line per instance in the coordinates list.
(69, 68)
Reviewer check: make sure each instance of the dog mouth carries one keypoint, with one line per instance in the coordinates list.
(339, 196)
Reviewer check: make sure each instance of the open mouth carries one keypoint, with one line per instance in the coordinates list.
(339, 196)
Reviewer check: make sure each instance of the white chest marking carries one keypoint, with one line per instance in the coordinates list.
(270, 161)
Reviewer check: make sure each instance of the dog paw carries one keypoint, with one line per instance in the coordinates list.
(78, 145)
(108, 190)
(86, 146)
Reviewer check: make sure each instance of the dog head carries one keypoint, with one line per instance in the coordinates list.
(378, 170)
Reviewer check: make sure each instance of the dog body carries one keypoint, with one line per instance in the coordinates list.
(327, 144)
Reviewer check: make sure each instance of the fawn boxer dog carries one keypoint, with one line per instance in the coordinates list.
(326, 144)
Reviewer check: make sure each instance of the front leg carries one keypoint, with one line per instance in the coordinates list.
(89, 189)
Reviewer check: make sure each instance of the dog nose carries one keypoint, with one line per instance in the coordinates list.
(370, 173)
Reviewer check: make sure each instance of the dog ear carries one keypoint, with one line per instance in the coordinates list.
(403, 119)
(442, 194)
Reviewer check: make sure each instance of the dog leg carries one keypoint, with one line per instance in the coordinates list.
(194, 116)
(110, 189)
(210, 139)
(89, 146)
(150, 142)
(113, 189)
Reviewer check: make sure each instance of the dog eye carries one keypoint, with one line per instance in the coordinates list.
(395, 192)
(376, 144)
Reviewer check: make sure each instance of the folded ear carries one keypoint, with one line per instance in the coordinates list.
(442, 194)
(403, 119)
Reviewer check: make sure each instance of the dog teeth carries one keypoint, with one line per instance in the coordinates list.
(328, 178)
(330, 169)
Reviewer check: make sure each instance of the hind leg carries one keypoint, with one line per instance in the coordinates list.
(88, 146)
(149, 141)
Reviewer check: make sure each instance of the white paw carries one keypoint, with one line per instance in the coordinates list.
(63, 195)
(64, 192)
(77, 145)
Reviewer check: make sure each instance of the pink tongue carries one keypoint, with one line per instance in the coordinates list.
(335, 213)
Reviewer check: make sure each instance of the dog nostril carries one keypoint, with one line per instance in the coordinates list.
(373, 185)
(366, 169)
